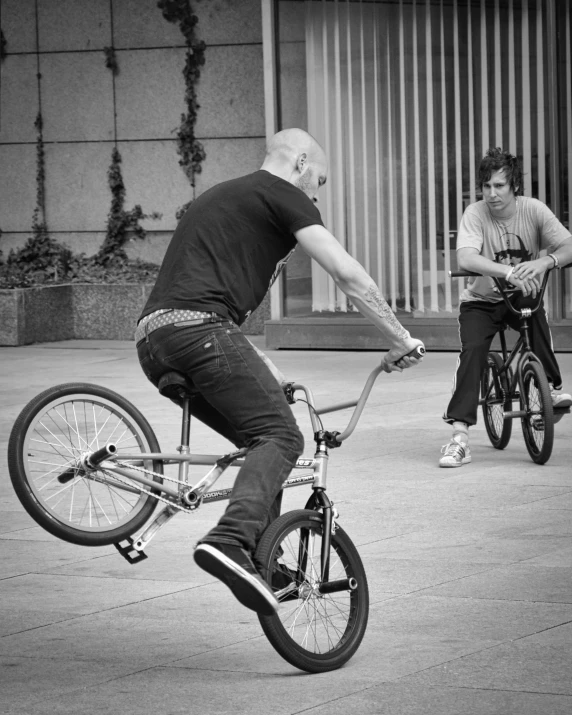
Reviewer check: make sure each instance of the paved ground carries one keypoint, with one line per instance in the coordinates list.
(469, 569)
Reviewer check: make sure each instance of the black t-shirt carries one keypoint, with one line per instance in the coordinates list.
(230, 245)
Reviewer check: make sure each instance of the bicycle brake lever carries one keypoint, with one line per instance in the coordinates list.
(288, 388)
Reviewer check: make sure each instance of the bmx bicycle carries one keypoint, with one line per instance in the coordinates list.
(87, 467)
(518, 376)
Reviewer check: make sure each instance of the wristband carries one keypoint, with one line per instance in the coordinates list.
(555, 259)
(509, 274)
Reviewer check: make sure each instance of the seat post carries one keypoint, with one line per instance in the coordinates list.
(186, 424)
(185, 442)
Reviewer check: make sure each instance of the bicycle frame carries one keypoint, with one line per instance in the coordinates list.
(522, 348)
(179, 495)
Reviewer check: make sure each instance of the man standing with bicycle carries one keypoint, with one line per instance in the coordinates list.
(502, 236)
(225, 253)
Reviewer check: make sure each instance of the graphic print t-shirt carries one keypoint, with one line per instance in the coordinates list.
(533, 228)
(230, 245)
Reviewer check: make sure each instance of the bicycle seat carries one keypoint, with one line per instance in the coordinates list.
(174, 385)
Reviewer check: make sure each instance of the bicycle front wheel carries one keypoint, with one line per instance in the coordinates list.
(538, 422)
(315, 631)
(495, 402)
(47, 442)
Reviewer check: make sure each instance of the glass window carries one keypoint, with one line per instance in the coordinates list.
(406, 97)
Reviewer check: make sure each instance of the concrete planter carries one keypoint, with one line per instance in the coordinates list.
(82, 311)
(77, 311)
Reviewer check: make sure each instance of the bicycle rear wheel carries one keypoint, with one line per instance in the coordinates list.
(313, 631)
(48, 439)
(498, 401)
(538, 423)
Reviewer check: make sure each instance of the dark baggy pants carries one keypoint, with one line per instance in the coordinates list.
(236, 395)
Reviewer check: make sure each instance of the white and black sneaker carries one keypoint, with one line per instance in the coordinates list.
(560, 400)
(234, 567)
(455, 454)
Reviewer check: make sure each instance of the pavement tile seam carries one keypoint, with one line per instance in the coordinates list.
(184, 585)
(99, 611)
(497, 599)
(503, 690)
(542, 630)
(57, 622)
(33, 700)
(430, 587)
(428, 694)
(459, 658)
(476, 599)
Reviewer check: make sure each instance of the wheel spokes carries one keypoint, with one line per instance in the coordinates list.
(317, 622)
(56, 443)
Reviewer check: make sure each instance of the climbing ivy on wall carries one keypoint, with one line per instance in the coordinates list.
(39, 227)
(121, 224)
(41, 259)
(44, 260)
(190, 149)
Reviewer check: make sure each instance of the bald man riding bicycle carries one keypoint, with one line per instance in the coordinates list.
(225, 253)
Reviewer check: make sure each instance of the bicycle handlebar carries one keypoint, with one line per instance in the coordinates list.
(359, 404)
(505, 292)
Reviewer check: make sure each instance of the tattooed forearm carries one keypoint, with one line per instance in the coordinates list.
(374, 299)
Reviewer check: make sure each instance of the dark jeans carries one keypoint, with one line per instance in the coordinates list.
(236, 395)
(479, 322)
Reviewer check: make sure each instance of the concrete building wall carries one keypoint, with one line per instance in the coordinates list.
(55, 61)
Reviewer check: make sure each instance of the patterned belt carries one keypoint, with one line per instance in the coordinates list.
(168, 316)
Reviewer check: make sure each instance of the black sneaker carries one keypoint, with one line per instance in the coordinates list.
(234, 567)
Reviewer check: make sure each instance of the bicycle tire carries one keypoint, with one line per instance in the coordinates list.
(498, 429)
(319, 632)
(538, 423)
(53, 430)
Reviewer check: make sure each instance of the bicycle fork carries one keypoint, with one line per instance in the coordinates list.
(319, 501)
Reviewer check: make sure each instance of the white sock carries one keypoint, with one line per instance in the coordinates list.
(461, 432)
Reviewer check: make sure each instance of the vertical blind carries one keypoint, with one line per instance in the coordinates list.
(406, 97)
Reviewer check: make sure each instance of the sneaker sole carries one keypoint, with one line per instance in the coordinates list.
(466, 460)
(246, 589)
(563, 404)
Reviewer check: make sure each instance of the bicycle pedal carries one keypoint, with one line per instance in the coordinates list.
(538, 424)
(129, 552)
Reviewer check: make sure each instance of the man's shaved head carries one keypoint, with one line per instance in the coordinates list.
(296, 156)
(289, 143)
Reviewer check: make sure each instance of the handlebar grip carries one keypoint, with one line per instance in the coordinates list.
(462, 274)
(417, 352)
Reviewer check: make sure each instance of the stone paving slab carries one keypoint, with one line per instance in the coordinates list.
(407, 699)
(531, 582)
(469, 569)
(523, 665)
